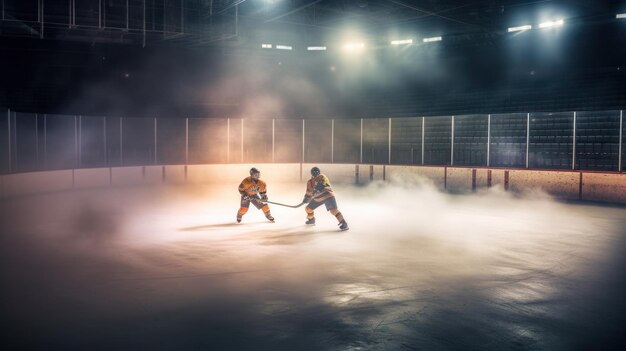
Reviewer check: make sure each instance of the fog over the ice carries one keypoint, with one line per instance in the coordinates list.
(162, 267)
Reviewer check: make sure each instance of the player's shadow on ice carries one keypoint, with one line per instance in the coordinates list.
(228, 225)
(200, 228)
(295, 237)
(267, 235)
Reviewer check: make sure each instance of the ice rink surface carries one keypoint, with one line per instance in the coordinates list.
(167, 268)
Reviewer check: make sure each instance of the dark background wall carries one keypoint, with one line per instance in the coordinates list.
(577, 67)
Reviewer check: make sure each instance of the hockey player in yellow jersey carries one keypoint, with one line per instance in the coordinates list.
(253, 189)
(319, 192)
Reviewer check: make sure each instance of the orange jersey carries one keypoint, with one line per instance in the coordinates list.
(322, 180)
(250, 187)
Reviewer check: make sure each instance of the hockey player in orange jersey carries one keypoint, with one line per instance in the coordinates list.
(319, 192)
(253, 189)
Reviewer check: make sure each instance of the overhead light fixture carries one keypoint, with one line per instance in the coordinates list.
(316, 48)
(402, 42)
(520, 28)
(283, 47)
(551, 24)
(432, 39)
(621, 16)
(354, 46)
(266, 46)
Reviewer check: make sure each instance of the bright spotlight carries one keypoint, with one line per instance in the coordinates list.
(402, 42)
(621, 16)
(520, 28)
(316, 48)
(551, 24)
(266, 46)
(283, 47)
(354, 46)
(432, 39)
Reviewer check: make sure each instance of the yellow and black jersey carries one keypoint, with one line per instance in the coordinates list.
(249, 186)
(318, 185)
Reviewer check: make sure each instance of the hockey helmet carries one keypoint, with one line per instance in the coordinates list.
(315, 171)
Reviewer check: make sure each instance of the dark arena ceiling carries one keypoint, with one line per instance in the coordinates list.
(149, 55)
(245, 22)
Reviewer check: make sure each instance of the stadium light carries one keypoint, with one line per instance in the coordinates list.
(432, 39)
(354, 46)
(283, 47)
(266, 46)
(316, 48)
(621, 16)
(551, 24)
(402, 42)
(520, 28)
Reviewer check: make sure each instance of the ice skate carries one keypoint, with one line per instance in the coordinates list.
(343, 225)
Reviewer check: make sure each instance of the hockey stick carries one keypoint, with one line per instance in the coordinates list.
(294, 206)
(279, 204)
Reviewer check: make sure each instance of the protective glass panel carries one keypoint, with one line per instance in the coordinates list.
(208, 141)
(235, 141)
(551, 136)
(26, 142)
(597, 140)
(60, 141)
(138, 141)
(171, 141)
(5, 148)
(347, 140)
(37, 142)
(623, 139)
(91, 141)
(470, 140)
(317, 141)
(257, 142)
(437, 140)
(508, 140)
(406, 140)
(113, 141)
(376, 141)
(288, 140)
